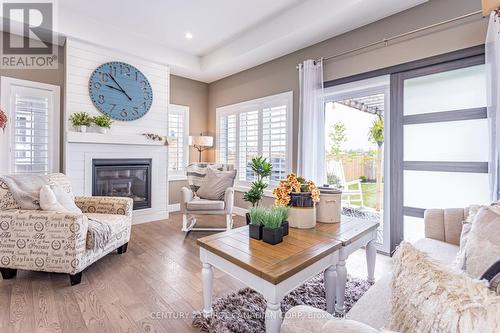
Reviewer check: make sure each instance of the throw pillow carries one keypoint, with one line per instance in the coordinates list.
(65, 199)
(430, 297)
(492, 275)
(483, 247)
(215, 184)
(48, 200)
(466, 226)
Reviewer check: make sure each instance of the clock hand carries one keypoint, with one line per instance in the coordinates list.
(123, 91)
(120, 90)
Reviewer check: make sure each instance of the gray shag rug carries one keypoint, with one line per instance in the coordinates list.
(244, 311)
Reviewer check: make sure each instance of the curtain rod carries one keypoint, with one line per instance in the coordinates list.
(385, 41)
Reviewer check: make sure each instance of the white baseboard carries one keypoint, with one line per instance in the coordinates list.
(240, 211)
(174, 207)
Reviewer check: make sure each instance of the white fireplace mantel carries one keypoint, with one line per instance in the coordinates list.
(115, 139)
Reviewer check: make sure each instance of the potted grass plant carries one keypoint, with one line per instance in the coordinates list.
(257, 216)
(284, 218)
(272, 232)
(81, 120)
(103, 122)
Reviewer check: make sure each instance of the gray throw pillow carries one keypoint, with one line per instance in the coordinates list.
(215, 184)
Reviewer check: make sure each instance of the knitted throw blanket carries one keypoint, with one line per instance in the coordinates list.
(98, 234)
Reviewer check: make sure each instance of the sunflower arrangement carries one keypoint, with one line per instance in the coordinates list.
(292, 183)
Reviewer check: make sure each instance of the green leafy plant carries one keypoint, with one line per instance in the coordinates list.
(261, 169)
(272, 218)
(257, 216)
(283, 211)
(363, 179)
(81, 119)
(376, 133)
(102, 121)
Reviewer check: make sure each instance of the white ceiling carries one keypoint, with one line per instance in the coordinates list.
(229, 35)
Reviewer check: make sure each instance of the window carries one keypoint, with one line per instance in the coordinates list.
(178, 132)
(258, 127)
(33, 129)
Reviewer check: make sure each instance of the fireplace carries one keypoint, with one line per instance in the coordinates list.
(123, 178)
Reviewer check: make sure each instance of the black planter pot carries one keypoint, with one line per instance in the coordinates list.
(247, 215)
(255, 231)
(301, 199)
(285, 225)
(272, 236)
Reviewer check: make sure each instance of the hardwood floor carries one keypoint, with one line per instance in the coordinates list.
(154, 287)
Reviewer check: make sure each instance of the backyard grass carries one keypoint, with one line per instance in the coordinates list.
(369, 194)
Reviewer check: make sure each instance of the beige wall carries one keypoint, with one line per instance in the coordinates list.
(195, 95)
(50, 76)
(280, 75)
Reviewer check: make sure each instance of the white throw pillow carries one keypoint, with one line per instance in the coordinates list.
(65, 199)
(483, 242)
(48, 200)
(429, 297)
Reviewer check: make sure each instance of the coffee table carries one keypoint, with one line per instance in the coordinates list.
(272, 270)
(353, 233)
(275, 270)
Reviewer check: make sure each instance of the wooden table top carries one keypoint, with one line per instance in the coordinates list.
(301, 248)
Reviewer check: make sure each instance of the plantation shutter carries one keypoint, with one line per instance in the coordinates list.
(30, 151)
(227, 139)
(176, 133)
(248, 143)
(274, 140)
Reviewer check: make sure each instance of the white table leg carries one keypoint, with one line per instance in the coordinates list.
(330, 277)
(340, 286)
(273, 317)
(207, 274)
(371, 255)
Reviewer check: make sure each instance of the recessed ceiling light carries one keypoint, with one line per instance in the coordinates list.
(189, 35)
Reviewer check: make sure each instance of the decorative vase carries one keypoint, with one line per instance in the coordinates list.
(81, 128)
(103, 130)
(302, 218)
(301, 199)
(286, 226)
(272, 236)
(247, 215)
(255, 231)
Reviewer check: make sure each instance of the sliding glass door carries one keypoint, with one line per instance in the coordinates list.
(356, 118)
(441, 145)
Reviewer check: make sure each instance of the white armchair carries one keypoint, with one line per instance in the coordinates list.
(191, 205)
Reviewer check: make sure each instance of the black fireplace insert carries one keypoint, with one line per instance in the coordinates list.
(123, 178)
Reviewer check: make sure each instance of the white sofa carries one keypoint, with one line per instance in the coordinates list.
(442, 238)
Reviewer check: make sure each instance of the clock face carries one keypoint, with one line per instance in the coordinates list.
(121, 91)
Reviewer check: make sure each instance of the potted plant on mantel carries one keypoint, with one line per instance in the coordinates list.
(272, 232)
(261, 169)
(81, 120)
(103, 122)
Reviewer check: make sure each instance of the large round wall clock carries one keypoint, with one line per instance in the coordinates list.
(121, 91)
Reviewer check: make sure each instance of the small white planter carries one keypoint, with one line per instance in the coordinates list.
(81, 129)
(103, 130)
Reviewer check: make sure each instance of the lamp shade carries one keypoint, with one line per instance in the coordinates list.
(201, 141)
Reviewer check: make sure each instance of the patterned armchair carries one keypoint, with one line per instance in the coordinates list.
(192, 205)
(48, 241)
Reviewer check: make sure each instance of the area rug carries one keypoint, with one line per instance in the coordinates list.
(244, 310)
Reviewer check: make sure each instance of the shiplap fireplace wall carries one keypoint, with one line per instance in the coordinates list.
(125, 140)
